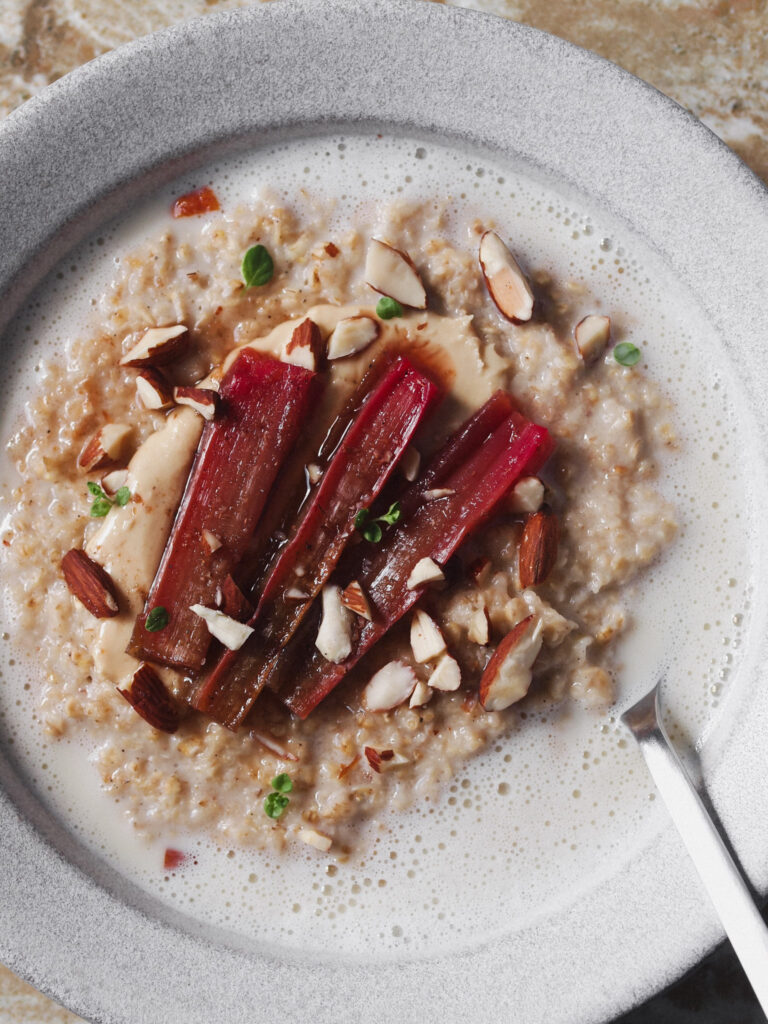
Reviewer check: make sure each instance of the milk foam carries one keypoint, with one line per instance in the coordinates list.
(565, 798)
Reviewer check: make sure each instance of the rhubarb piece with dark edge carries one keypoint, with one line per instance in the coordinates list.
(262, 407)
(435, 529)
(362, 463)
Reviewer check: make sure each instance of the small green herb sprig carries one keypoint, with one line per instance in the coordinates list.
(386, 308)
(277, 801)
(626, 353)
(157, 619)
(257, 267)
(102, 504)
(370, 528)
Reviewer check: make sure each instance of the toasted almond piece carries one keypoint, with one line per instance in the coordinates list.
(113, 481)
(477, 631)
(106, 445)
(383, 760)
(90, 583)
(592, 335)
(202, 400)
(314, 473)
(422, 694)
(316, 839)
(211, 541)
(267, 740)
(353, 597)
(508, 675)
(334, 638)
(438, 492)
(294, 594)
(538, 548)
(233, 602)
(149, 698)
(390, 686)
(426, 570)
(506, 283)
(526, 496)
(479, 568)
(352, 334)
(447, 674)
(305, 346)
(427, 642)
(157, 347)
(227, 630)
(391, 272)
(153, 389)
(410, 462)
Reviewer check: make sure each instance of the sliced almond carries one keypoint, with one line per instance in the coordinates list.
(107, 445)
(157, 347)
(334, 638)
(353, 597)
(426, 570)
(422, 694)
(266, 739)
(305, 346)
(352, 334)
(538, 548)
(427, 642)
(506, 283)
(113, 481)
(225, 629)
(527, 496)
(313, 838)
(90, 583)
(592, 335)
(211, 541)
(437, 493)
(390, 686)
(149, 698)
(314, 473)
(391, 272)
(202, 400)
(410, 463)
(477, 630)
(153, 389)
(447, 674)
(507, 676)
(383, 760)
(294, 594)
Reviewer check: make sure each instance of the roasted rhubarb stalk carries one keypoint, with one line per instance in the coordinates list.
(364, 459)
(262, 407)
(435, 530)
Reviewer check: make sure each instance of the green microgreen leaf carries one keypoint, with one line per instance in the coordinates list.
(386, 308)
(282, 783)
(392, 515)
(275, 804)
(362, 518)
(257, 267)
(100, 507)
(122, 497)
(373, 532)
(95, 490)
(157, 619)
(626, 353)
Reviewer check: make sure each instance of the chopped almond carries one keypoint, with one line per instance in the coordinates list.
(153, 389)
(113, 481)
(391, 272)
(477, 631)
(227, 630)
(447, 674)
(107, 445)
(316, 839)
(422, 694)
(426, 570)
(507, 676)
(592, 335)
(203, 400)
(157, 347)
(390, 686)
(211, 541)
(351, 335)
(354, 598)
(90, 583)
(507, 284)
(427, 641)
(527, 496)
(305, 346)
(334, 638)
(409, 464)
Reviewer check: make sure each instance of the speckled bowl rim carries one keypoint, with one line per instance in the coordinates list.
(123, 124)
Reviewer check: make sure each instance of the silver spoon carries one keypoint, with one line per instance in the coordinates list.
(721, 877)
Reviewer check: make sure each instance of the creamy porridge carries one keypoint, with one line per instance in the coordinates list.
(609, 423)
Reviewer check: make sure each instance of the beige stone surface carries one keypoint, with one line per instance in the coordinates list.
(709, 55)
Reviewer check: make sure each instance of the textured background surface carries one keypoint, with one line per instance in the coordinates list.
(709, 55)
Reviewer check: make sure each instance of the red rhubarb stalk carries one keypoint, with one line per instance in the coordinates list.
(363, 461)
(435, 530)
(263, 405)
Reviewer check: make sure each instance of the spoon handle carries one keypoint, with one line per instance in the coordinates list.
(722, 879)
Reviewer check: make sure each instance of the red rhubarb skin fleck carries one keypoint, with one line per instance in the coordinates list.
(192, 204)
(173, 859)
